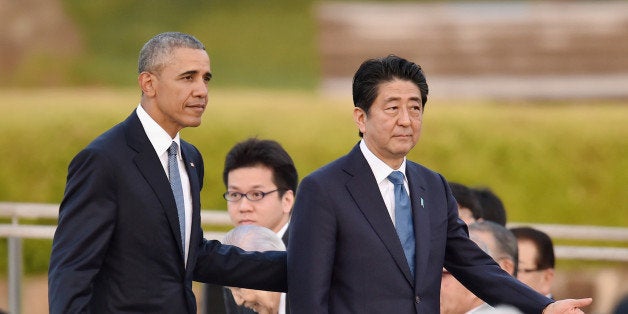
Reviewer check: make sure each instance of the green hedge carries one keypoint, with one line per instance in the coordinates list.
(551, 163)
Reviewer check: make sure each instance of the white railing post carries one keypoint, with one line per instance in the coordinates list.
(15, 270)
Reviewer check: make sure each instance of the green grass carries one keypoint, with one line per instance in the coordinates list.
(550, 163)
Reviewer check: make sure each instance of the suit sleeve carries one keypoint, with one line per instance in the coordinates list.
(231, 266)
(311, 249)
(86, 223)
(479, 273)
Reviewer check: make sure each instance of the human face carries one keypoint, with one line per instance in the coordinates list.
(262, 302)
(392, 126)
(176, 95)
(272, 211)
(454, 297)
(539, 280)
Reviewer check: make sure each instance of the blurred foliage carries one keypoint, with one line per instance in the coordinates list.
(251, 43)
(549, 162)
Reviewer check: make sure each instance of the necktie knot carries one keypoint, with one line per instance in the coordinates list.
(396, 177)
(173, 149)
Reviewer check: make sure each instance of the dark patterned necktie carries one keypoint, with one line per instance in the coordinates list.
(177, 190)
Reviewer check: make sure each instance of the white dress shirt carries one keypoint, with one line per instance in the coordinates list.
(161, 141)
(282, 299)
(381, 171)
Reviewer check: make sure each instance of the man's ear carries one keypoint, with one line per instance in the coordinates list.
(359, 117)
(548, 276)
(146, 81)
(508, 265)
(287, 201)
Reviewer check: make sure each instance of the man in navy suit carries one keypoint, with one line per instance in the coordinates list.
(129, 240)
(345, 254)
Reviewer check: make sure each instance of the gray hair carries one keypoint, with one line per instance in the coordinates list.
(505, 241)
(254, 238)
(159, 48)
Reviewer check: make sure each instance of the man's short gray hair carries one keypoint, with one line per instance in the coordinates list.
(158, 49)
(254, 238)
(505, 241)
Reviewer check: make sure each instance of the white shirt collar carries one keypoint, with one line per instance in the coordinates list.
(158, 137)
(283, 229)
(380, 169)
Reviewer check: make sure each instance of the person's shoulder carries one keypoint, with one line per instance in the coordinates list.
(415, 167)
(332, 168)
(105, 141)
(425, 175)
(189, 146)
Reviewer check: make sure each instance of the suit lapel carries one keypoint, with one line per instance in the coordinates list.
(365, 192)
(149, 165)
(420, 214)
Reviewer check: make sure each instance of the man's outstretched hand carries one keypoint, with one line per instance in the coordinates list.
(567, 306)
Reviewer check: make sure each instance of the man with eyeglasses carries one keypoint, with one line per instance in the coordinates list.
(536, 259)
(501, 245)
(261, 182)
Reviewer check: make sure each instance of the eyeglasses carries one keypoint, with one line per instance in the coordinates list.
(530, 270)
(254, 195)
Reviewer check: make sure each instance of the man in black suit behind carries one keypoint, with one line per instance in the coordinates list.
(128, 240)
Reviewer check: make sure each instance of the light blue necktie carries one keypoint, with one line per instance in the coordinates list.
(177, 190)
(403, 217)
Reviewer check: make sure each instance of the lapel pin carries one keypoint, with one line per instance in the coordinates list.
(192, 164)
(422, 205)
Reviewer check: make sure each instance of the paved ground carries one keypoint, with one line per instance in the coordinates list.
(521, 50)
(509, 87)
(605, 285)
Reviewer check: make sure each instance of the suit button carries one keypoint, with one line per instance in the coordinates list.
(417, 300)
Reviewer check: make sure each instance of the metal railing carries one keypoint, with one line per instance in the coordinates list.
(15, 232)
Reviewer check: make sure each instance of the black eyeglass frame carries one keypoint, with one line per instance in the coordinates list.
(531, 270)
(250, 195)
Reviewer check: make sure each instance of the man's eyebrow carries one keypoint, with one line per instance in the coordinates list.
(391, 98)
(194, 72)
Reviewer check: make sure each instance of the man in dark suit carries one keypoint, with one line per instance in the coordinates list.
(351, 248)
(129, 237)
(256, 168)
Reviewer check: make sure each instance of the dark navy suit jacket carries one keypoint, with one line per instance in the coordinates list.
(344, 254)
(117, 248)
